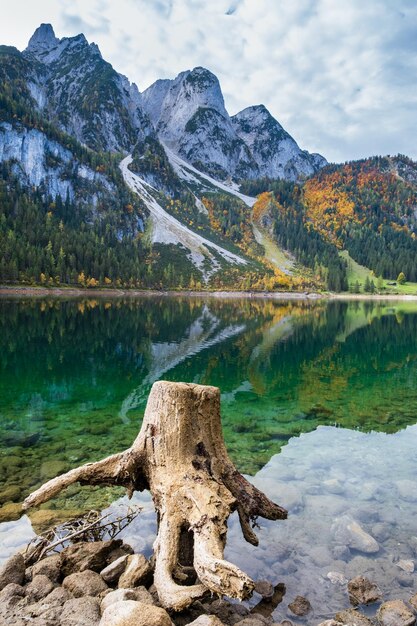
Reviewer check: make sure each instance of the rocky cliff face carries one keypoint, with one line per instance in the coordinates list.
(69, 83)
(41, 162)
(274, 150)
(83, 93)
(190, 118)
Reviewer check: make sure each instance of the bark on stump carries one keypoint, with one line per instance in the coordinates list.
(180, 456)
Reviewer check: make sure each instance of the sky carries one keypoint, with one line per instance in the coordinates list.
(339, 75)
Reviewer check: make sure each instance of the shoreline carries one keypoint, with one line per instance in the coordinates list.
(74, 292)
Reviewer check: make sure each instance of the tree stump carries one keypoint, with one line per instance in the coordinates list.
(180, 456)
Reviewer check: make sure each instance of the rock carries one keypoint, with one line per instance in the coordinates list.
(228, 613)
(341, 553)
(337, 578)
(254, 620)
(330, 622)
(10, 512)
(138, 572)
(413, 601)
(300, 606)
(92, 555)
(362, 591)
(50, 566)
(13, 571)
(131, 613)
(11, 590)
(347, 531)
(111, 573)
(139, 594)
(406, 565)
(352, 617)
(81, 612)
(395, 613)
(10, 494)
(47, 612)
(50, 469)
(404, 579)
(39, 588)
(407, 490)
(206, 620)
(264, 588)
(87, 583)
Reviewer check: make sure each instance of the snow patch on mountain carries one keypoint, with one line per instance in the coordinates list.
(189, 173)
(168, 230)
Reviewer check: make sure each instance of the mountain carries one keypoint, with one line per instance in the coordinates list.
(190, 118)
(274, 150)
(82, 94)
(103, 185)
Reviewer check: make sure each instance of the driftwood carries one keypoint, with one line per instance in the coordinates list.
(180, 456)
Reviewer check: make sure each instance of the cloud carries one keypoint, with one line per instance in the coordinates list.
(339, 76)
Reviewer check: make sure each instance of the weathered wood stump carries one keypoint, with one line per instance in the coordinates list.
(180, 456)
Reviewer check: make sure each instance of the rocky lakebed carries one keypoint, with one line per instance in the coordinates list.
(104, 583)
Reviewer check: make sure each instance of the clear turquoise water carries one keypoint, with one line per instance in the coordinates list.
(75, 375)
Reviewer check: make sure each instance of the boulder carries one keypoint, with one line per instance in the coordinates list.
(395, 613)
(13, 571)
(11, 590)
(50, 566)
(347, 531)
(111, 573)
(81, 612)
(39, 588)
(138, 572)
(264, 588)
(131, 613)
(407, 565)
(362, 591)
(300, 606)
(352, 617)
(139, 594)
(87, 583)
(206, 620)
(228, 613)
(91, 555)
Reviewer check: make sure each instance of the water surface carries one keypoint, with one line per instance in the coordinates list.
(75, 375)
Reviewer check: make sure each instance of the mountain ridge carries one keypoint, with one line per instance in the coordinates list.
(68, 119)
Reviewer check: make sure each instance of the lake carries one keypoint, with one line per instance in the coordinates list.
(319, 406)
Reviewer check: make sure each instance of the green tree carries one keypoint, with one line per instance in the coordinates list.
(401, 278)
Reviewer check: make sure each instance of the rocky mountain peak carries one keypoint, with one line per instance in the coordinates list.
(42, 39)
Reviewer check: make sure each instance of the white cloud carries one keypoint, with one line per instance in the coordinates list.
(339, 76)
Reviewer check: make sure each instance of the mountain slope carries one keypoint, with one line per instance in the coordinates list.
(190, 118)
(274, 150)
(82, 94)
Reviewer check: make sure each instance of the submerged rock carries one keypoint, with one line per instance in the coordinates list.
(300, 606)
(347, 531)
(352, 617)
(395, 613)
(363, 591)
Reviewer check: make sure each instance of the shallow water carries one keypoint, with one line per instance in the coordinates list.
(74, 377)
